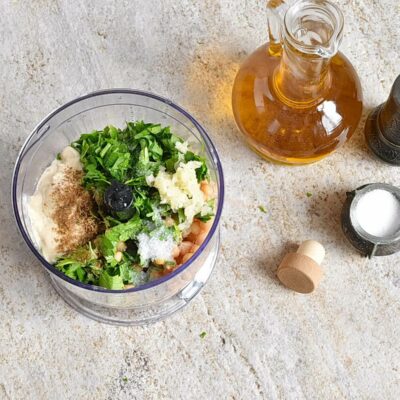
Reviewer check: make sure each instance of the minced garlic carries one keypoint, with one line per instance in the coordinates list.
(182, 147)
(181, 190)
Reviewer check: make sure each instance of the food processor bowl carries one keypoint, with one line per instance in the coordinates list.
(154, 300)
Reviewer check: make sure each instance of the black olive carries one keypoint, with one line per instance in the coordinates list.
(118, 198)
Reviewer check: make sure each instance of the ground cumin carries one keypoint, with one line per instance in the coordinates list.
(73, 212)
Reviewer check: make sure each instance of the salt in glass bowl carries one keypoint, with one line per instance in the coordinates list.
(368, 244)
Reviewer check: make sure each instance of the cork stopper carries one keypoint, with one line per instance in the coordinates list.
(301, 271)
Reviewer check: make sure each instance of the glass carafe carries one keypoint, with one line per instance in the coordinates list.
(297, 99)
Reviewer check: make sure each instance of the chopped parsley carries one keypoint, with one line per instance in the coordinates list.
(128, 157)
(309, 194)
(203, 335)
(262, 209)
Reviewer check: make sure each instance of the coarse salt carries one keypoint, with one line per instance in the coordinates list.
(155, 247)
(378, 213)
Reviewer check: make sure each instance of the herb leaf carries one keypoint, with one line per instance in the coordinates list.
(111, 282)
(130, 156)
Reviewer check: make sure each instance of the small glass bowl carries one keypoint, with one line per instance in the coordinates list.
(154, 300)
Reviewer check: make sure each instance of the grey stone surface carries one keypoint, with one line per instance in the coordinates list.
(263, 341)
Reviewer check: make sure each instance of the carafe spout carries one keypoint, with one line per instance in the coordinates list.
(315, 27)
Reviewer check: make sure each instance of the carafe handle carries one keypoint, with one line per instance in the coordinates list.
(276, 10)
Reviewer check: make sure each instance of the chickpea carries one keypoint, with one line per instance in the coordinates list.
(206, 226)
(186, 257)
(170, 267)
(121, 246)
(175, 252)
(169, 222)
(118, 256)
(185, 247)
(129, 286)
(200, 238)
(194, 248)
(195, 228)
(207, 189)
(191, 238)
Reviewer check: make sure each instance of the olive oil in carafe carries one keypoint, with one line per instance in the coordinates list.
(297, 101)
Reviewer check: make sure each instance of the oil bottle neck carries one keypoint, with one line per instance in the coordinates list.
(301, 80)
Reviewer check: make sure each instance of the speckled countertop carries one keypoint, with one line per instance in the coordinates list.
(263, 341)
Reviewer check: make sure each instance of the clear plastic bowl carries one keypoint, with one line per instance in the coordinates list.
(159, 298)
